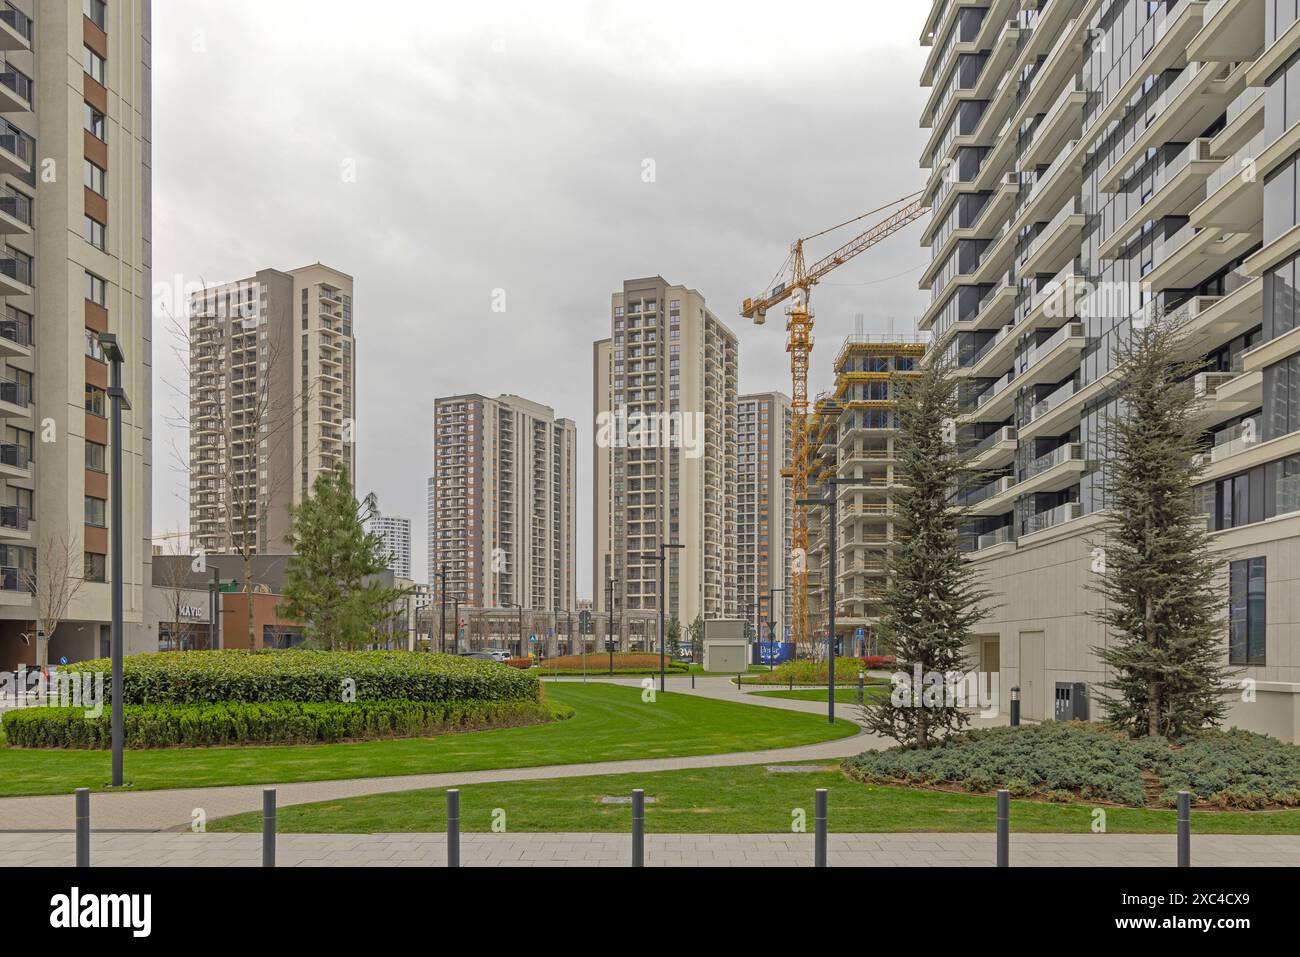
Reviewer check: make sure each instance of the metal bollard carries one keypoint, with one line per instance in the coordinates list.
(1184, 829)
(861, 676)
(453, 827)
(1015, 707)
(819, 828)
(692, 680)
(268, 827)
(638, 828)
(791, 682)
(1004, 828)
(83, 826)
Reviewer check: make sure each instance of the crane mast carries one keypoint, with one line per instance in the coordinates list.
(799, 344)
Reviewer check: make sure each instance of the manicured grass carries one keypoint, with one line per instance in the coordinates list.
(843, 695)
(736, 800)
(611, 723)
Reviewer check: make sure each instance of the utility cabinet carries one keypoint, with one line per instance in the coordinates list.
(1071, 701)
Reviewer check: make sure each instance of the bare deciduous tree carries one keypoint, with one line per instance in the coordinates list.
(56, 579)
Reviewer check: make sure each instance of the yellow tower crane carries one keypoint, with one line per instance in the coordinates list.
(799, 343)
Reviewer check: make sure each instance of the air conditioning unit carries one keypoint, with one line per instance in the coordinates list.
(1207, 383)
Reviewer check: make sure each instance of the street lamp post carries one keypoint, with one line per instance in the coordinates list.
(771, 622)
(519, 608)
(442, 620)
(455, 614)
(117, 396)
(609, 614)
(662, 558)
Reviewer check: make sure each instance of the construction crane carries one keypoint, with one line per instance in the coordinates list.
(799, 343)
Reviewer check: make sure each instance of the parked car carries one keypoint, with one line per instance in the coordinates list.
(499, 654)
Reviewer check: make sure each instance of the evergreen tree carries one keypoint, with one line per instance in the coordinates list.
(332, 582)
(1159, 579)
(931, 600)
(674, 639)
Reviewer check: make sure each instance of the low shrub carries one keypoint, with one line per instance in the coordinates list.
(879, 661)
(1058, 761)
(209, 677)
(805, 671)
(621, 661)
(523, 664)
(274, 722)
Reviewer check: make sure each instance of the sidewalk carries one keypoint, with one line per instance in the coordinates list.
(661, 850)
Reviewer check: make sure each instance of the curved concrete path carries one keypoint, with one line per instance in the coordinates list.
(174, 809)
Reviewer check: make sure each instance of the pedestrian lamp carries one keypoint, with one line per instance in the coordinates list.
(771, 623)
(662, 558)
(609, 612)
(118, 399)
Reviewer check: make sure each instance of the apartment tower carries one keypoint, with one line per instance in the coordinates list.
(853, 432)
(764, 511)
(76, 81)
(396, 533)
(272, 401)
(505, 527)
(664, 454)
(1094, 163)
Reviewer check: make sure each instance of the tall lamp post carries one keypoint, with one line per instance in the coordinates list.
(519, 608)
(830, 501)
(455, 614)
(771, 622)
(662, 558)
(609, 614)
(117, 396)
(442, 620)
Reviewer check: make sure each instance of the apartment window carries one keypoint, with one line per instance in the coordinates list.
(1247, 600)
(96, 511)
(93, 64)
(96, 567)
(95, 456)
(96, 289)
(94, 122)
(96, 12)
(95, 179)
(96, 400)
(93, 347)
(94, 232)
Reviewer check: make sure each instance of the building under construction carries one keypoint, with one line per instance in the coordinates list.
(851, 436)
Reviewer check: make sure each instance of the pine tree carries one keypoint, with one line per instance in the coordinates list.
(931, 601)
(332, 582)
(1158, 576)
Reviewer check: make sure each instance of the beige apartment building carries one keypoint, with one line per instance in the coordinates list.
(664, 454)
(504, 497)
(853, 432)
(272, 401)
(1093, 161)
(764, 511)
(76, 263)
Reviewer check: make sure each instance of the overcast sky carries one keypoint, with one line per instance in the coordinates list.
(439, 151)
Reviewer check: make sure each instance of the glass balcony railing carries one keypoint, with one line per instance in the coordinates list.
(15, 456)
(1242, 163)
(17, 330)
(18, 21)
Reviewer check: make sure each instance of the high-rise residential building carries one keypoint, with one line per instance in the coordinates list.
(431, 527)
(396, 533)
(665, 453)
(73, 247)
(1093, 164)
(853, 433)
(764, 510)
(505, 526)
(272, 401)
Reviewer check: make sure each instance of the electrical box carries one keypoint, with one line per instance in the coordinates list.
(1071, 701)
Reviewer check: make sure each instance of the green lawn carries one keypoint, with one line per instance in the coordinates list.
(611, 723)
(731, 800)
(843, 695)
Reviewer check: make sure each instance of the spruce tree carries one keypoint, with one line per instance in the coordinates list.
(332, 582)
(932, 599)
(1156, 572)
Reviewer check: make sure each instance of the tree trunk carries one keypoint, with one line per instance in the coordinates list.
(1153, 684)
(248, 590)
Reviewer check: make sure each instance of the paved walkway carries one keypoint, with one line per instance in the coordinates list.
(662, 850)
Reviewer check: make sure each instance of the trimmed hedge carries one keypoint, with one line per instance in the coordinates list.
(807, 672)
(1067, 761)
(209, 677)
(278, 722)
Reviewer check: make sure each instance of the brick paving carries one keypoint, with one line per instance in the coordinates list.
(183, 849)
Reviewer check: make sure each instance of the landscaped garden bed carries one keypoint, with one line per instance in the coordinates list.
(805, 671)
(625, 663)
(1072, 761)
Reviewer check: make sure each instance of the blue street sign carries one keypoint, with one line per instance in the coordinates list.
(862, 632)
(532, 638)
(63, 660)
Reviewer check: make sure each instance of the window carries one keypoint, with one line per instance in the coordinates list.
(96, 511)
(96, 400)
(95, 11)
(93, 347)
(1247, 600)
(96, 289)
(25, 500)
(95, 456)
(95, 179)
(94, 232)
(93, 64)
(96, 568)
(94, 122)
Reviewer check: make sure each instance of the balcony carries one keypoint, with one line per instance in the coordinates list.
(1054, 472)
(1233, 31)
(1225, 395)
(996, 355)
(1179, 187)
(15, 337)
(15, 277)
(15, 213)
(15, 523)
(15, 90)
(15, 398)
(999, 305)
(995, 403)
(1185, 258)
(1055, 300)
(995, 451)
(14, 155)
(1234, 193)
(1208, 322)
(1060, 125)
(1052, 518)
(15, 29)
(1054, 186)
(1057, 242)
(15, 462)
(995, 498)
(1051, 361)
(1002, 536)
